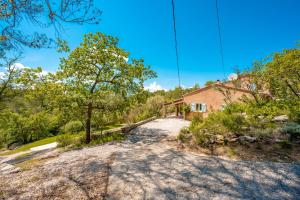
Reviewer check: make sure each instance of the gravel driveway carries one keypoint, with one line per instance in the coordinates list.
(154, 170)
(146, 167)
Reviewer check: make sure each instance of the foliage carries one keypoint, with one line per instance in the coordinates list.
(285, 144)
(293, 129)
(99, 68)
(114, 137)
(281, 75)
(65, 140)
(209, 83)
(154, 105)
(72, 127)
(184, 135)
(196, 121)
(31, 145)
(41, 14)
(26, 129)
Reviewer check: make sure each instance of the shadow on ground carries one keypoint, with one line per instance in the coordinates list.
(156, 171)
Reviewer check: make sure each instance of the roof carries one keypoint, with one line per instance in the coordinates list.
(175, 102)
(217, 85)
(222, 85)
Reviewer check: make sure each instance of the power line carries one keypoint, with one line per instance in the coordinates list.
(220, 39)
(175, 39)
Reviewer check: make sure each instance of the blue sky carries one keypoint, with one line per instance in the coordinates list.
(251, 30)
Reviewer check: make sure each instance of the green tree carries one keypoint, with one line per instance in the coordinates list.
(282, 75)
(44, 14)
(209, 83)
(99, 67)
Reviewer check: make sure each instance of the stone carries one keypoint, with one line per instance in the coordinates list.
(247, 139)
(281, 118)
(220, 137)
(232, 140)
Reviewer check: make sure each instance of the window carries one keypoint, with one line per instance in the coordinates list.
(193, 107)
(198, 107)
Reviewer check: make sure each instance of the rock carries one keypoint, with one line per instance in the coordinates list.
(281, 118)
(13, 146)
(232, 140)
(247, 139)
(220, 137)
(245, 128)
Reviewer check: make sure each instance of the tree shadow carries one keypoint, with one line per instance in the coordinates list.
(155, 171)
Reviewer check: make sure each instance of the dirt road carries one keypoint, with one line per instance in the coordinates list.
(146, 167)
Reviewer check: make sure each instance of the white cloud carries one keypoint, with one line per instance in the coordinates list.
(2, 75)
(19, 66)
(154, 87)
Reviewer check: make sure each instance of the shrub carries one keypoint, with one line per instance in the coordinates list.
(203, 137)
(65, 140)
(197, 120)
(293, 129)
(184, 135)
(263, 133)
(72, 127)
(213, 124)
(154, 105)
(285, 144)
(108, 138)
(234, 122)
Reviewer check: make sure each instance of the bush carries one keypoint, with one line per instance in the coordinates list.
(72, 127)
(184, 135)
(65, 140)
(154, 105)
(197, 120)
(204, 138)
(263, 133)
(285, 144)
(293, 129)
(234, 122)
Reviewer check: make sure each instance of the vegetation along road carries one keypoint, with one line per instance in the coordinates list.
(146, 166)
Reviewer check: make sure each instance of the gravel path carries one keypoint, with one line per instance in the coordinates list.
(146, 167)
(154, 170)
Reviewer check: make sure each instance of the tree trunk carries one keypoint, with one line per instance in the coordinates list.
(88, 123)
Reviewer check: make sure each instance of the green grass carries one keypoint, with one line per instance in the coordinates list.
(31, 145)
(54, 139)
(34, 144)
(112, 126)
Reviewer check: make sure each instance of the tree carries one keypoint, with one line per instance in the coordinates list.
(209, 83)
(99, 67)
(43, 14)
(282, 75)
(8, 76)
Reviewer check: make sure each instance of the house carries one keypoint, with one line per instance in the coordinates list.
(213, 97)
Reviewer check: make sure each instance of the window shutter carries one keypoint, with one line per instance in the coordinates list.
(193, 107)
(203, 107)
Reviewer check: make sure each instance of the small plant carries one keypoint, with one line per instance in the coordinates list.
(65, 140)
(263, 133)
(108, 138)
(285, 144)
(231, 152)
(72, 127)
(293, 129)
(234, 122)
(197, 120)
(203, 138)
(184, 135)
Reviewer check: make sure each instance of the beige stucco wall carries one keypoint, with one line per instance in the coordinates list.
(213, 98)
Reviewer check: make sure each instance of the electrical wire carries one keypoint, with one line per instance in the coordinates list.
(175, 40)
(220, 39)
